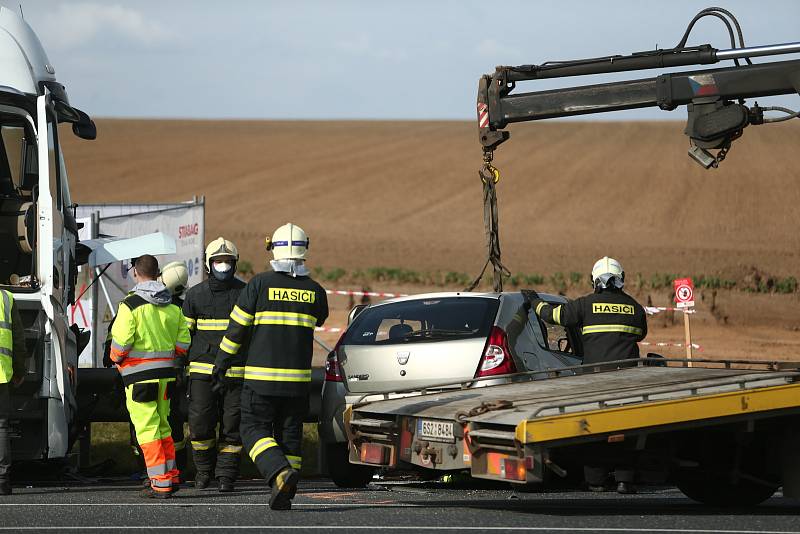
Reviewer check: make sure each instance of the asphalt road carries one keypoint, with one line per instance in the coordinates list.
(320, 507)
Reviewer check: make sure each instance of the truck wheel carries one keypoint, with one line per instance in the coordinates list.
(718, 492)
(342, 472)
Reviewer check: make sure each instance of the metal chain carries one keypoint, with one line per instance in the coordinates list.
(721, 155)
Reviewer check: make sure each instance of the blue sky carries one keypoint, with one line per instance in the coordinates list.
(352, 59)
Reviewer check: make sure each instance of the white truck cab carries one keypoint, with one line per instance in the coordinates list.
(38, 238)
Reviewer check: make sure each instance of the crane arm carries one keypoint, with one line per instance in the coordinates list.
(714, 120)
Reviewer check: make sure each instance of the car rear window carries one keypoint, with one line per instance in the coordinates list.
(435, 319)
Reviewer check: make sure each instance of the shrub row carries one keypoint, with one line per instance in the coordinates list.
(558, 281)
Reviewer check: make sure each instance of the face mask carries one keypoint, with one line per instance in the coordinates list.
(222, 267)
(222, 271)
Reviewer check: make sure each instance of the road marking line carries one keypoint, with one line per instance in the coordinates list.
(193, 504)
(406, 527)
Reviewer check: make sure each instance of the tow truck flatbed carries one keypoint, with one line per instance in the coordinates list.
(524, 431)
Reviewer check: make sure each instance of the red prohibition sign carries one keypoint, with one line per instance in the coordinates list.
(684, 293)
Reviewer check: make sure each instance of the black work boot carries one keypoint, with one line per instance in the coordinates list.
(202, 480)
(150, 493)
(626, 488)
(225, 485)
(283, 488)
(5, 487)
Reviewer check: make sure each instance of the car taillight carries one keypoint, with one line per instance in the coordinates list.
(332, 371)
(496, 359)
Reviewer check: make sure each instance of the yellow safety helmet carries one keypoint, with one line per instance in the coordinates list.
(219, 248)
(175, 276)
(289, 242)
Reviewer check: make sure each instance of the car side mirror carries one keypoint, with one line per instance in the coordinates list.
(563, 344)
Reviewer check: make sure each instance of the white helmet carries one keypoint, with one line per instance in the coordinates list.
(220, 247)
(289, 242)
(607, 272)
(175, 276)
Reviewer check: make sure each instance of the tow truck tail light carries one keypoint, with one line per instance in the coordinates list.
(515, 469)
(508, 467)
(496, 359)
(333, 372)
(375, 454)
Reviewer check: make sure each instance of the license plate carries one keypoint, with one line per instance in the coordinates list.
(435, 430)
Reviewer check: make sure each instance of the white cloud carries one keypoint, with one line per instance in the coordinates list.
(72, 25)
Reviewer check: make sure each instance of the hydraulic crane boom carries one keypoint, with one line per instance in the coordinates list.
(714, 119)
(714, 99)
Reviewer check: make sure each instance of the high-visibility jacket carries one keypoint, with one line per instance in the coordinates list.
(279, 312)
(145, 339)
(6, 337)
(611, 323)
(207, 308)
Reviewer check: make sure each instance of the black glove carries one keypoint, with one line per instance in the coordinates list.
(107, 362)
(218, 379)
(528, 296)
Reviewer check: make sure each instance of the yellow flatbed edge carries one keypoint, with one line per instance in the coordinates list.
(652, 414)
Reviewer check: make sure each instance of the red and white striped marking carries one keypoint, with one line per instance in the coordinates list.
(328, 329)
(663, 344)
(483, 115)
(652, 310)
(365, 294)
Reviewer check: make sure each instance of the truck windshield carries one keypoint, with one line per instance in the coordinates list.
(435, 319)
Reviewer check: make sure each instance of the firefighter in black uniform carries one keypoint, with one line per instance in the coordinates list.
(207, 308)
(611, 323)
(279, 309)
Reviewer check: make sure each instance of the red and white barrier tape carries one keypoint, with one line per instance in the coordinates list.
(663, 344)
(328, 329)
(652, 310)
(364, 294)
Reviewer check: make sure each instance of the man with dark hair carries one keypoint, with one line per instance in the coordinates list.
(146, 266)
(148, 332)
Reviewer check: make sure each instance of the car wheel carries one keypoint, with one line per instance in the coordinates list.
(342, 472)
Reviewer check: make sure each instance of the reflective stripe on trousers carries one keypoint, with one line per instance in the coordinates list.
(260, 446)
(296, 462)
(204, 445)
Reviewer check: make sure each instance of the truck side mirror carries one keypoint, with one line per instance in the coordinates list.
(84, 127)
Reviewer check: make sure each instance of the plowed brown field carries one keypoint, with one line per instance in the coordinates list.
(406, 194)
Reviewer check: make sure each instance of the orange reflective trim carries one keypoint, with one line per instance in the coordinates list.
(118, 355)
(132, 362)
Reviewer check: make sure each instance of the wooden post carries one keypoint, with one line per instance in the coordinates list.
(688, 332)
